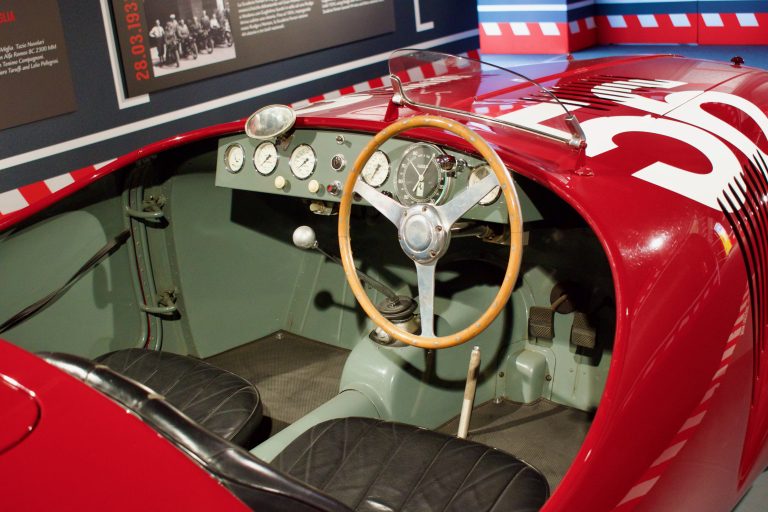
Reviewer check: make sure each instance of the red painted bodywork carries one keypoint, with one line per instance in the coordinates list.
(98, 456)
(682, 422)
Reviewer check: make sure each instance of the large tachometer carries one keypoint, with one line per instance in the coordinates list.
(419, 177)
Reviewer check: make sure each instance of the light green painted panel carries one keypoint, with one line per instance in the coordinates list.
(236, 265)
(577, 380)
(426, 388)
(98, 313)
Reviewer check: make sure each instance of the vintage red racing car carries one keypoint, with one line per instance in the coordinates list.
(280, 313)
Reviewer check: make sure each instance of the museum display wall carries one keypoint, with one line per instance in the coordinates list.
(86, 82)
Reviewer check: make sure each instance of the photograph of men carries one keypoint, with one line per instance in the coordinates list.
(188, 34)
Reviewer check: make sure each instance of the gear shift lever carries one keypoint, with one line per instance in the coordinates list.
(304, 238)
(396, 308)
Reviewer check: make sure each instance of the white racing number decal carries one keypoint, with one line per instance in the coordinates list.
(702, 188)
(690, 124)
(684, 120)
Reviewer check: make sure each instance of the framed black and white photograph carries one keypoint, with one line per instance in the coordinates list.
(165, 43)
(185, 35)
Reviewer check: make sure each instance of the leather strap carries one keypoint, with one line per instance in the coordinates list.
(52, 297)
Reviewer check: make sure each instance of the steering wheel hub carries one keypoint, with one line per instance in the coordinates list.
(422, 234)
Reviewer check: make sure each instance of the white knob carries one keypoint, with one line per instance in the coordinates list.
(304, 237)
(280, 183)
(313, 187)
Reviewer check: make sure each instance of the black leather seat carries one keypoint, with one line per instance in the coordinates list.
(339, 465)
(378, 465)
(220, 401)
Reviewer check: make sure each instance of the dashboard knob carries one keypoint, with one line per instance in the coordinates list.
(304, 237)
(280, 183)
(334, 188)
(313, 187)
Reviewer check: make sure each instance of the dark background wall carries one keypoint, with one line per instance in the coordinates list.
(99, 130)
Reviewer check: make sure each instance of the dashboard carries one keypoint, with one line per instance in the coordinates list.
(314, 164)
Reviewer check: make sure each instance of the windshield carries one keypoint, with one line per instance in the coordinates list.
(475, 90)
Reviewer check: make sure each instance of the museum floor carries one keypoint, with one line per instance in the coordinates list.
(755, 56)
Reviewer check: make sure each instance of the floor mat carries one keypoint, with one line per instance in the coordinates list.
(544, 434)
(294, 375)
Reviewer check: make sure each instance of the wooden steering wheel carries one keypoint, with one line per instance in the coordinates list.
(424, 231)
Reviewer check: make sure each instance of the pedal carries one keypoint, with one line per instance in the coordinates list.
(541, 322)
(582, 333)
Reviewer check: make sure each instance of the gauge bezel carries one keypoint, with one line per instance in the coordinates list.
(496, 190)
(388, 169)
(443, 182)
(258, 166)
(227, 150)
(314, 162)
(343, 162)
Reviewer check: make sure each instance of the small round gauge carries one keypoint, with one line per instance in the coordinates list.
(265, 158)
(477, 174)
(419, 177)
(234, 158)
(303, 161)
(376, 170)
(338, 162)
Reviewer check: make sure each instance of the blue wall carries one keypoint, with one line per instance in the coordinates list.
(99, 130)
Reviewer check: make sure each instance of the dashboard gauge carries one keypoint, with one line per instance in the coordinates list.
(265, 158)
(477, 174)
(376, 170)
(234, 158)
(419, 177)
(303, 161)
(338, 162)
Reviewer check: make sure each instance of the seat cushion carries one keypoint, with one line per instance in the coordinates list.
(220, 401)
(374, 465)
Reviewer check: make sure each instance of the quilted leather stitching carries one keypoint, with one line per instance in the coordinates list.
(216, 409)
(449, 474)
(347, 455)
(424, 473)
(466, 477)
(382, 469)
(313, 440)
(215, 398)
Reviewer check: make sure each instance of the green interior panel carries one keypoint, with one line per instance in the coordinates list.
(98, 313)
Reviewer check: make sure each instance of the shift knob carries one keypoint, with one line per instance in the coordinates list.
(304, 237)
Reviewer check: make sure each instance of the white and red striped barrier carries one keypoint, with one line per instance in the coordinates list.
(648, 28)
(547, 26)
(734, 28)
(18, 199)
(537, 37)
(682, 21)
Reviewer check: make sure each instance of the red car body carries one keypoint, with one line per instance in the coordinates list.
(673, 183)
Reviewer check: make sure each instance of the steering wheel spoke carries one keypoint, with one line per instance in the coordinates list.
(452, 211)
(425, 276)
(421, 231)
(387, 206)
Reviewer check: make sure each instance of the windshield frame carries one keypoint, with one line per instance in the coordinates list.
(577, 137)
